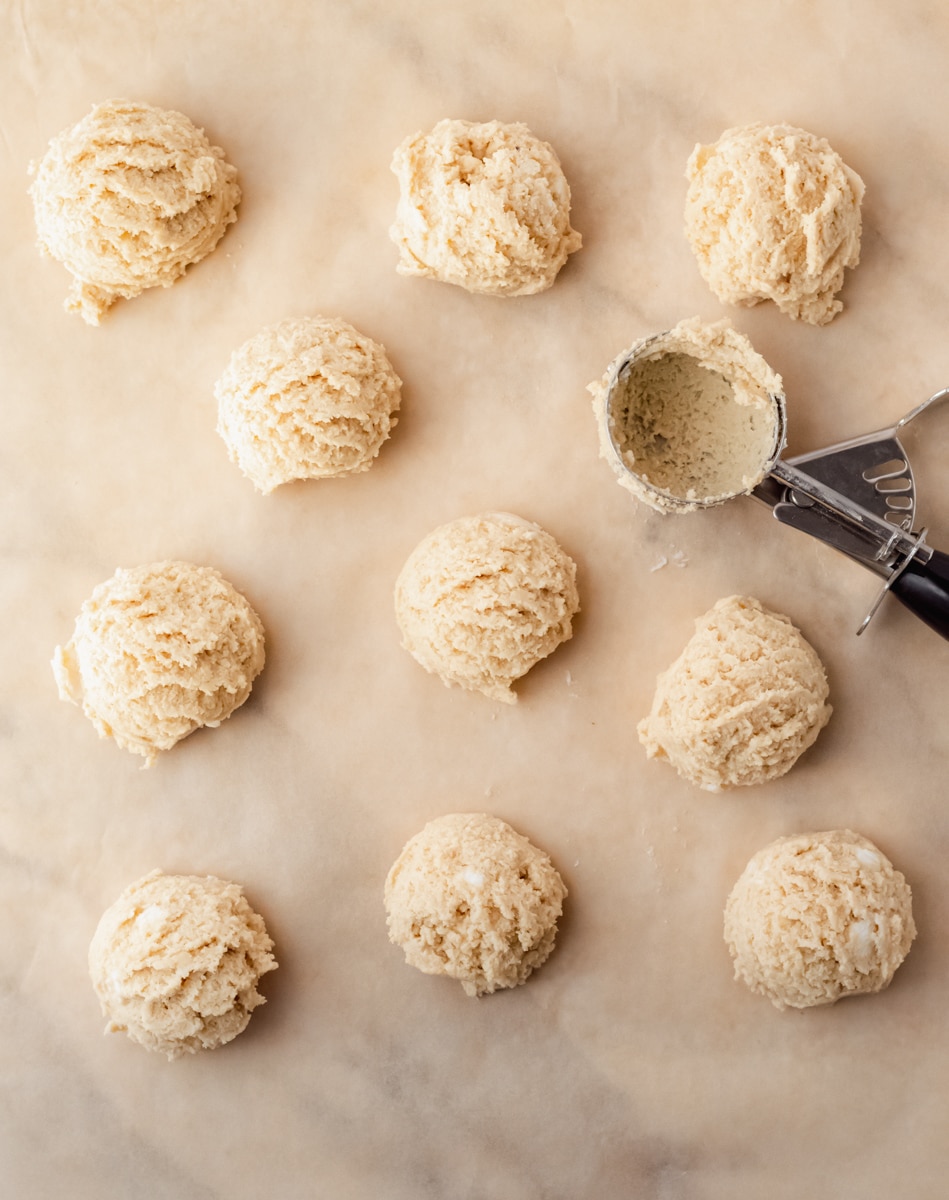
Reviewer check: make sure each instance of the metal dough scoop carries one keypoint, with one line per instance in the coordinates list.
(858, 496)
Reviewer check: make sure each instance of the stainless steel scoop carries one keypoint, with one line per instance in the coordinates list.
(858, 496)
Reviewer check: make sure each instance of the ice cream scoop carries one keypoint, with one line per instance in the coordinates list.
(694, 416)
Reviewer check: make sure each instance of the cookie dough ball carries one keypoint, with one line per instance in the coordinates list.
(157, 652)
(176, 960)
(484, 206)
(308, 398)
(472, 899)
(128, 199)
(816, 917)
(773, 213)
(742, 702)
(482, 599)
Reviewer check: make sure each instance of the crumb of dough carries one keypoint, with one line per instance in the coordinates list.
(482, 599)
(817, 917)
(127, 199)
(772, 212)
(484, 206)
(690, 417)
(307, 398)
(176, 960)
(472, 899)
(742, 702)
(159, 651)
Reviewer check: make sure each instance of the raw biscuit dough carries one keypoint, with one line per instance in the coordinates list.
(482, 599)
(817, 917)
(176, 960)
(127, 199)
(689, 417)
(472, 899)
(484, 206)
(773, 213)
(307, 398)
(159, 651)
(742, 702)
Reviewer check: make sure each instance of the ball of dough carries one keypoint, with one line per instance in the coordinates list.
(308, 398)
(816, 917)
(176, 960)
(472, 899)
(773, 213)
(482, 599)
(128, 199)
(485, 206)
(742, 702)
(157, 652)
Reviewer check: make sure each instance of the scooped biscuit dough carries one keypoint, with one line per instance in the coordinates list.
(773, 213)
(159, 651)
(742, 702)
(484, 206)
(472, 899)
(482, 599)
(176, 960)
(308, 398)
(817, 917)
(128, 199)
(689, 417)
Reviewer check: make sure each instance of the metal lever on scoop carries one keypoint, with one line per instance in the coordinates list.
(912, 570)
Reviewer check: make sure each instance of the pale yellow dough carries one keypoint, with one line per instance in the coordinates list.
(484, 206)
(689, 417)
(127, 199)
(159, 651)
(472, 899)
(307, 398)
(742, 702)
(176, 960)
(482, 599)
(773, 213)
(817, 917)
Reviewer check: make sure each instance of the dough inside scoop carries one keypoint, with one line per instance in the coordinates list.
(690, 417)
(684, 428)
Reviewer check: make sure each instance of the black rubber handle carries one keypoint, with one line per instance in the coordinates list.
(924, 588)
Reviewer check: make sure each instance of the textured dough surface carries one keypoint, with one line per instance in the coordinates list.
(817, 917)
(127, 199)
(307, 398)
(485, 206)
(773, 213)
(159, 651)
(689, 417)
(472, 899)
(482, 599)
(742, 702)
(176, 960)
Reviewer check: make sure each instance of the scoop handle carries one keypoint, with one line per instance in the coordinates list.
(924, 588)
